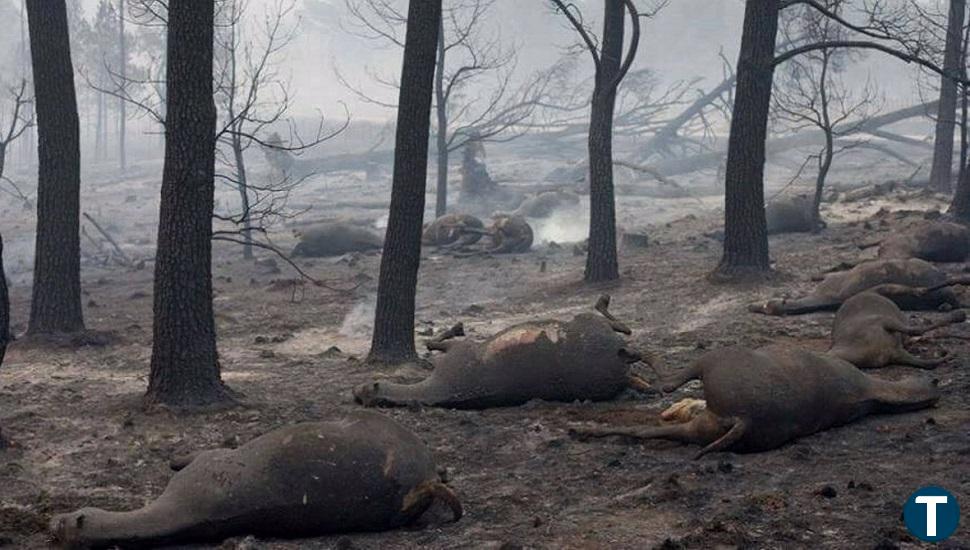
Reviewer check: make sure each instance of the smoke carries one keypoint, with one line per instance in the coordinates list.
(381, 222)
(359, 321)
(566, 225)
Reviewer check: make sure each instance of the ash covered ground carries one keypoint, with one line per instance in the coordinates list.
(295, 351)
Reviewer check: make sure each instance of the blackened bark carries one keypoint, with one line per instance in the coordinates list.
(942, 170)
(56, 301)
(122, 104)
(441, 141)
(185, 366)
(825, 163)
(601, 261)
(960, 205)
(4, 308)
(242, 183)
(393, 339)
(745, 230)
(99, 129)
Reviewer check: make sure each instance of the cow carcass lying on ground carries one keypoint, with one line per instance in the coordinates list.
(510, 234)
(360, 472)
(930, 241)
(869, 330)
(758, 400)
(791, 215)
(545, 204)
(581, 359)
(336, 239)
(911, 284)
(453, 230)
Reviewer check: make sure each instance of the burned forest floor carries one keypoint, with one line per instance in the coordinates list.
(79, 436)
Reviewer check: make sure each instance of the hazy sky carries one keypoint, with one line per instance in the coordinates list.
(680, 43)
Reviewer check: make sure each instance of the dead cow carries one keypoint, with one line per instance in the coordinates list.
(552, 360)
(757, 400)
(931, 241)
(545, 204)
(359, 472)
(453, 229)
(510, 234)
(911, 284)
(790, 215)
(336, 239)
(869, 330)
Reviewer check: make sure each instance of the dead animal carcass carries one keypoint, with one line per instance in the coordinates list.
(510, 234)
(790, 215)
(545, 204)
(583, 358)
(453, 229)
(931, 241)
(336, 239)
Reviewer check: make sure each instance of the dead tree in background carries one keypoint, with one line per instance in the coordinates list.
(811, 93)
(941, 173)
(4, 308)
(611, 66)
(746, 241)
(393, 340)
(21, 119)
(466, 56)
(253, 99)
(123, 73)
(56, 302)
(185, 368)
(245, 73)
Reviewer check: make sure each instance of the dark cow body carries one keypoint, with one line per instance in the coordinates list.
(911, 284)
(552, 360)
(362, 472)
(336, 239)
(930, 241)
(546, 204)
(758, 400)
(790, 215)
(869, 330)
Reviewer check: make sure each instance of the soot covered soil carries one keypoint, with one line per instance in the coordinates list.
(79, 436)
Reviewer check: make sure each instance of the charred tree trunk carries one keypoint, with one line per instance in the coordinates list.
(601, 261)
(960, 205)
(441, 140)
(393, 339)
(56, 301)
(242, 183)
(185, 365)
(964, 106)
(123, 70)
(828, 154)
(745, 229)
(99, 128)
(942, 170)
(4, 308)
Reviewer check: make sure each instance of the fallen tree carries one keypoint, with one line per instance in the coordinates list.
(684, 165)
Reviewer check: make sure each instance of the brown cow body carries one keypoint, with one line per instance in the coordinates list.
(362, 472)
(757, 400)
(869, 330)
